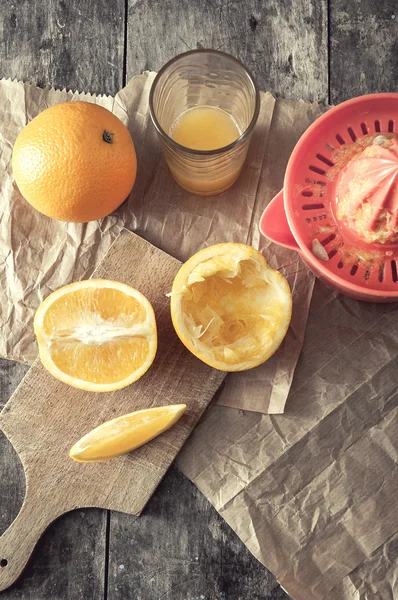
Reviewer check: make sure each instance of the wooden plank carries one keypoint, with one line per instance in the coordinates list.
(11, 374)
(284, 44)
(78, 44)
(181, 549)
(363, 48)
(68, 563)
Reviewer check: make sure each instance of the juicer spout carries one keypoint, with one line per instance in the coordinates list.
(274, 226)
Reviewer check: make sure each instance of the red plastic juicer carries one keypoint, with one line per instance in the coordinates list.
(339, 203)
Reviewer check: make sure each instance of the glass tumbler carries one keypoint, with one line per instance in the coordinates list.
(204, 78)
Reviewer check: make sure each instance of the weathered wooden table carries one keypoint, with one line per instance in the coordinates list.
(325, 50)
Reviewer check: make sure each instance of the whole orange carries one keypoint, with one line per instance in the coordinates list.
(75, 162)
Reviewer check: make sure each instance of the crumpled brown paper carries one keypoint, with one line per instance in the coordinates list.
(312, 493)
(39, 255)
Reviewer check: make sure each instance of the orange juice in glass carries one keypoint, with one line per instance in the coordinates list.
(204, 105)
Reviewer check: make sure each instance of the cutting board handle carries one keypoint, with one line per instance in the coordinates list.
(19, 540)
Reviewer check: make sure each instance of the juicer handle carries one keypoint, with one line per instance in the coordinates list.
(274, 226)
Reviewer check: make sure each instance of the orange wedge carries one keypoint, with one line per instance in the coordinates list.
(229, 307)
(126, 433)
(96, 335)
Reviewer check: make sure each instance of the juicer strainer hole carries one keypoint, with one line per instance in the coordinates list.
(394, 271)
(377, 126)
(340, 265)
(340, 139)
(329, 239)
(390, 126)
(313, 206)
(364, 129)
(332, 254)
(325, 160)
(351, 133)
(3, 562)
(354, 269)
(317, 170)
(306, 193)
(381, 273)
(315, 182)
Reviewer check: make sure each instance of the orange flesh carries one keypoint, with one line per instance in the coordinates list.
(107, 363)
(109, 304)
(233, 316)
(125, 433)
(89, 334)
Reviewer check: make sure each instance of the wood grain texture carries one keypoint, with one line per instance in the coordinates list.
(45, 417)
(69, 561)
(195, 556)
(63, 43)
(363, 48)
(284, 44)
(86, 51)
(10, 375)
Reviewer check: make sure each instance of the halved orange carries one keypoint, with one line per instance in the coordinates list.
(96, 335)
(126, 433)
(229, 307)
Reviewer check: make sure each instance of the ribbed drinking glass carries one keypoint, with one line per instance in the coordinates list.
(206, 78)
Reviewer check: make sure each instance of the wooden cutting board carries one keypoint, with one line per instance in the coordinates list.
(45, 417)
